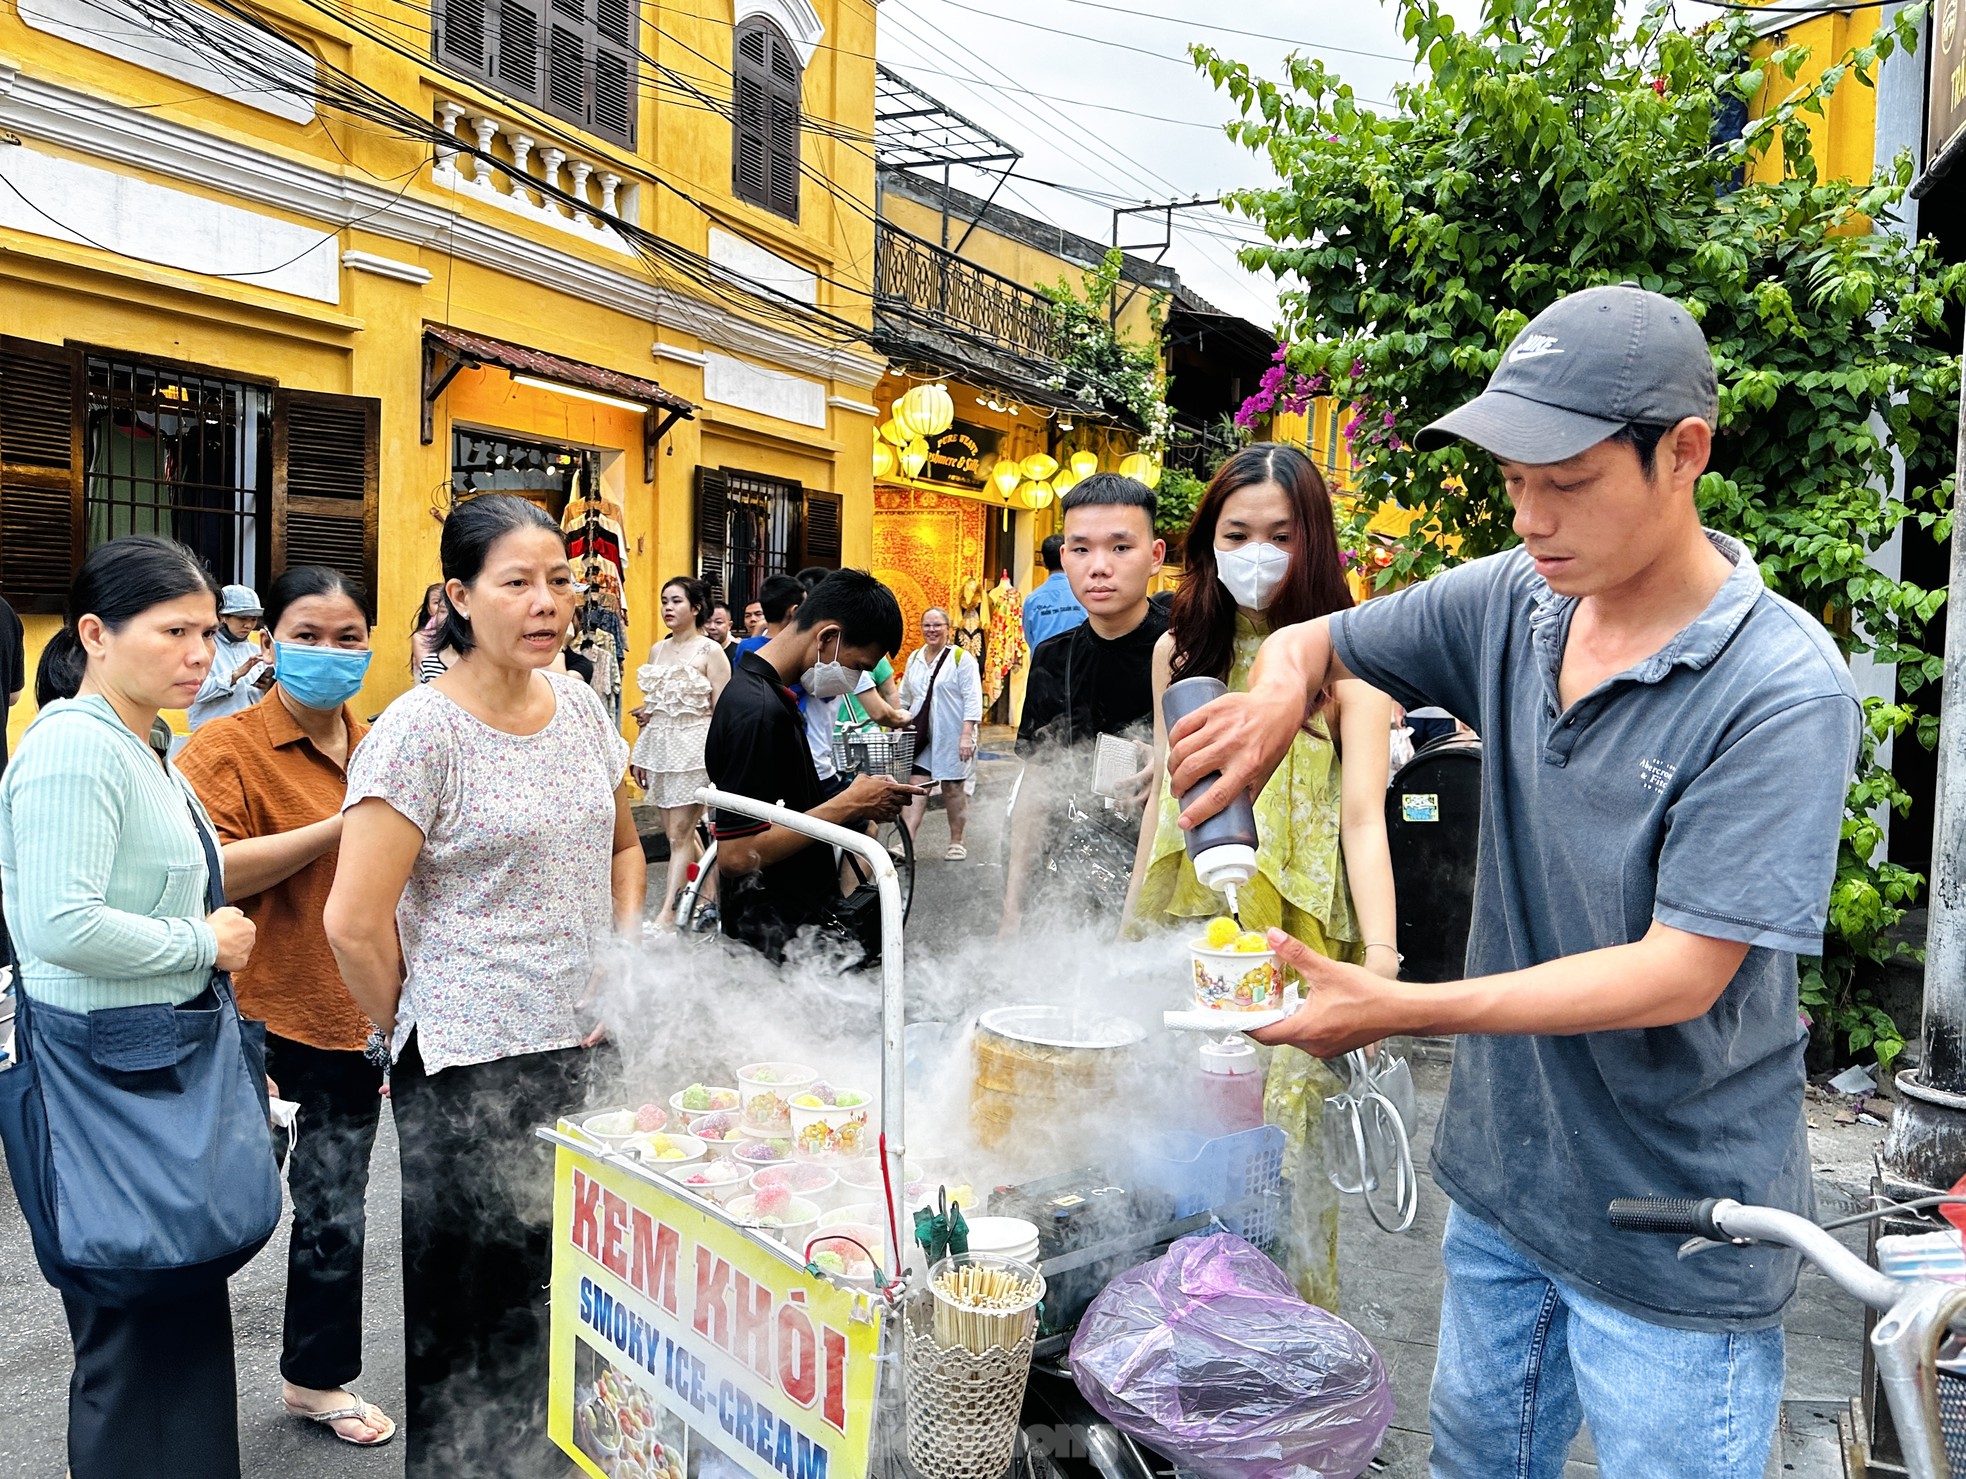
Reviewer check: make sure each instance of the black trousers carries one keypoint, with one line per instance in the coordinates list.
(154, 1394)
(340, 1098)
(477, 1224)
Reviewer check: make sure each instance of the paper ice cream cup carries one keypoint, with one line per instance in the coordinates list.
(1231, 981)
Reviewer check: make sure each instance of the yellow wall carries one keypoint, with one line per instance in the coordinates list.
(369, 343)
(1845, 135)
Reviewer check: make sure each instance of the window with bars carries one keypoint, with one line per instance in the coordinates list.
(765, 141)
(576, 59)
(255, 477)
(750, 527)
(179, 454)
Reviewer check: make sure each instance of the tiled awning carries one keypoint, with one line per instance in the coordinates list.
(474, 350)
(447, 351)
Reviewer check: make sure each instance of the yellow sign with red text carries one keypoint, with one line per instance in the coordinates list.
(662, 1312)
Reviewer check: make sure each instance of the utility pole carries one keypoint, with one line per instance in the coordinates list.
(1165, 210)
(1925, 1149)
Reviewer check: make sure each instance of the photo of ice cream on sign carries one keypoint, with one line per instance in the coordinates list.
(1235, 970)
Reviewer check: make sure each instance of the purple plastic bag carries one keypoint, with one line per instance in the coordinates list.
(1209, 1355)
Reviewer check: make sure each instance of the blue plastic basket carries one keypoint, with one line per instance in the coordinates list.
(1215, 1175)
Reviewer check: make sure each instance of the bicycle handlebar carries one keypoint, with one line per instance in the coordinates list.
(1725, 1221)
(1905, 1341)
(1667, 1215)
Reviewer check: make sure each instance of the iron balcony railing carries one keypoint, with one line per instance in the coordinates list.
(919, 286)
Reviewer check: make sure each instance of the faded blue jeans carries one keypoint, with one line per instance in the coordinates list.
(1523, 1360)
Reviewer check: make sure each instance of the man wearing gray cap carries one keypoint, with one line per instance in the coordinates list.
(1667, 747)
(241, 670)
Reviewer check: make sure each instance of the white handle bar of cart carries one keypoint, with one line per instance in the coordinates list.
(893, 1058)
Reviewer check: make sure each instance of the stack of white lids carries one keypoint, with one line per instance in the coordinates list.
(1004, 1237)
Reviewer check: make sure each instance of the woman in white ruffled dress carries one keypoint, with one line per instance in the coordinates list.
(681, 683)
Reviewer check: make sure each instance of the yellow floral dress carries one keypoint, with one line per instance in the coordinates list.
(1300, 887)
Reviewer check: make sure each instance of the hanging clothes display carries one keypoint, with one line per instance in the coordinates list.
(1007, 650)
(597, 547)
(969, 632)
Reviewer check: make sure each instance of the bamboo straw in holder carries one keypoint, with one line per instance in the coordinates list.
(984, 1302)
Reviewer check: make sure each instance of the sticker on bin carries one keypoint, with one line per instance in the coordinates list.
(1419, 806)
(1938, 1255)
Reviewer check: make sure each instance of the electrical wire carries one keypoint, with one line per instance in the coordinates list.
(1177, 20)
(327, 85)
(1150, 179)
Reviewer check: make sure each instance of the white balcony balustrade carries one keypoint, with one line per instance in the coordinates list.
(519, 172)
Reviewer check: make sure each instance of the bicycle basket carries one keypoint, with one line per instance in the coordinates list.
(889, 752)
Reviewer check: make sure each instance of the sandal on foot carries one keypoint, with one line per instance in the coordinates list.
(356, 1409)
(956, 853)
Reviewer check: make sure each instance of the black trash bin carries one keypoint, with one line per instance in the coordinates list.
(1433, 826)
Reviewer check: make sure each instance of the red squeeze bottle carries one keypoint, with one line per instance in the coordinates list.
(1231, 1087)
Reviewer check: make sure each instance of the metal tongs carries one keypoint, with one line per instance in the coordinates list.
(1366, 1147)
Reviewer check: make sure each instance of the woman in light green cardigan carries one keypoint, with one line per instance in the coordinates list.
(106, 892)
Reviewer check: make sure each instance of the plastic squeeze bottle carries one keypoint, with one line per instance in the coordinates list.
(1223, 848)
(1231, 1086)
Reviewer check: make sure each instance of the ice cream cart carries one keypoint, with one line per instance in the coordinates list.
(677, 1306)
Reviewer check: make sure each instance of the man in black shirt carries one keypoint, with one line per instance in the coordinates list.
(773, 880)
(1098, 677)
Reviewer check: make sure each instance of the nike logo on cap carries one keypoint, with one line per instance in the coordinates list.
(1534, 346)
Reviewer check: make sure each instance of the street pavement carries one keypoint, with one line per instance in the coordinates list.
(1391, 1284)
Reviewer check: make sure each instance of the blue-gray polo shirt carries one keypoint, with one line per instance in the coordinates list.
(1703, 788)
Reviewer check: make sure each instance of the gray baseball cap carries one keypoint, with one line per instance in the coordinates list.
(1583, 368)
(239, 600)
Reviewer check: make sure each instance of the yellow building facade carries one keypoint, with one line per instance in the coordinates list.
(959, 304)
(287, 283)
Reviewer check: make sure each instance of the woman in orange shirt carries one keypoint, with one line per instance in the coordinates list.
(273, 779)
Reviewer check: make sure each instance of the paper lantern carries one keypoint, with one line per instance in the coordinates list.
(1036, 493)
(1038, 467)
(1084, 463)
(883, 459)
(1142, 467)
(914, 457)
(927, 410)
(1006, 475)
(893, 434)
(1064, 482)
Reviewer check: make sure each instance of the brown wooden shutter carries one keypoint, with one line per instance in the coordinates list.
(750, 162)
(783, 128)
(712, 529)
(326, 450)
(819, 531)
(519, 64)
(460, 41)
(566, 61)
(43, 402)
(612, 103)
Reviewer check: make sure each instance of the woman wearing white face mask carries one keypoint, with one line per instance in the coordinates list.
(1263, 553)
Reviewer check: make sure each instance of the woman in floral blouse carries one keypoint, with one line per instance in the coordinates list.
(488, 829)
(1263, 553)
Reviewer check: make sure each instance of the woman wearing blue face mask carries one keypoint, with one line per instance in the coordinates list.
(1262, 553)
(273, 779)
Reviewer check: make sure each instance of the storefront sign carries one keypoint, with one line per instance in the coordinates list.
(660, 1312)
(962, 456)
(1945, 87)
